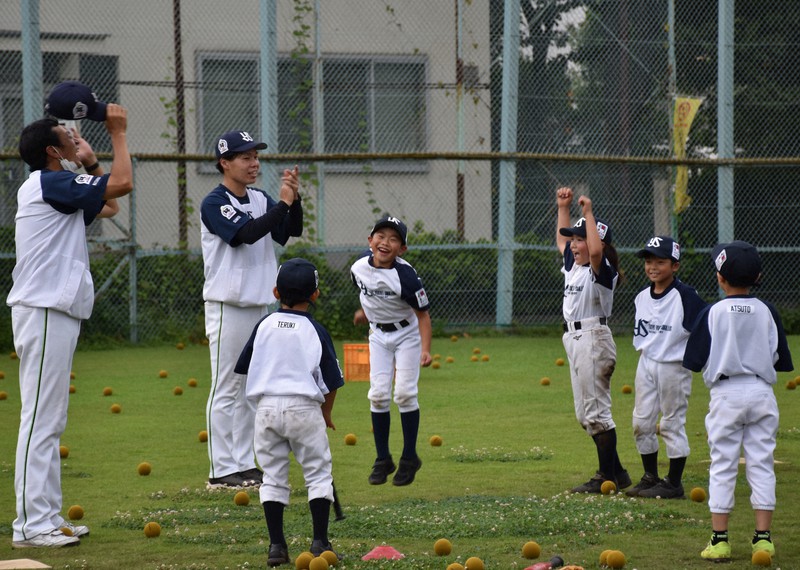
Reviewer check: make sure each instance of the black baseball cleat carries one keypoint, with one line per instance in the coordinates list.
(407, 471)
(623, 480)
(229, 481)
(252, 477)
(664, 490)
(381, 469)
(318, 547)
(278, 554)
(647, 481)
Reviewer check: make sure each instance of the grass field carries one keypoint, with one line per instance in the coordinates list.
(511, 447)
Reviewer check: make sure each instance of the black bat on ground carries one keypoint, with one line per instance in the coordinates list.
(337, 506)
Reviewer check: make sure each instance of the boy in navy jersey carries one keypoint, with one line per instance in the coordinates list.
(665, 313)
(739, 344)
(292, 377)
(394, 303)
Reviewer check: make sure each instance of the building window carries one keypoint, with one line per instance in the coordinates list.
(370, 104)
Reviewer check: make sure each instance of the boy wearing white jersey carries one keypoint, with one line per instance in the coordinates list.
(239, 224)
(394, 303)
(739, 344)
(292, 377)
(665, 313)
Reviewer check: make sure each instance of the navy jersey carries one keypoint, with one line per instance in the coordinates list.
(663, 321)
(388, 294)
(290, 354)
(738, 335)
(52, 269)
(587, 294)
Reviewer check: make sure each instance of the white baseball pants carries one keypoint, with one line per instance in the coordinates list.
(394, 354)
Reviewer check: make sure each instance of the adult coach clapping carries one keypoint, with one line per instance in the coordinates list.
(52, 293)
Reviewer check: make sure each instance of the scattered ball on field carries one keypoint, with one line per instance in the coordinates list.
(302, 560)
(72, 388)
(608, 487)
(318, 563)
(13, 355)
(531, 550)
(162, 374)
(791, 385)
(473, 358)
(545, 381)
(698, 494)
(63, 451)
(2, 374)
(476, 350)
(616, 559)
(455, 566)
(177, 390)
(72, 376)
(797, 379)
(454, 338)
(435, 364)
(116, 408)
(203, 436)
(152, 529)
(437, 356)
(474, 563)
(442, 547)
(449, 359)
(330, 557)
(192, 382)
(350, 439)
(180, 346)
(559, 362)
(604, 557)
(485, 358)
(3, 395)
(241, 499)
(75, 513)
(436, 440)
(761, 558)
(626, 389)
(144, 468)
(66, 530)
(107, 391)
(204, 342)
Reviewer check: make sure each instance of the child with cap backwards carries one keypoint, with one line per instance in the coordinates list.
(394, 303)
(739, 343)
(665, 313)
(591, 272)
(292, 377)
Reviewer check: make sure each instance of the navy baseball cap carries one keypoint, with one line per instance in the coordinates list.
(72, 100)
(237, 141)
(297, 279)
(663, 247)
(579, 229)
(738, 262)
(394, 223)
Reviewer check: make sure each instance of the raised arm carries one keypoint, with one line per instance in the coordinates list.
(563, 202)
(593, 242)
(120, 181)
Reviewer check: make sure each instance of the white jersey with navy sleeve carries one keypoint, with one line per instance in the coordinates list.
(237, 273)
(389, 294)
(663, 321)
(52, 269)
(586, 294)
(738, 335)
(290, 354)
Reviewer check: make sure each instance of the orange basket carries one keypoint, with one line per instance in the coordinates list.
(356, 362)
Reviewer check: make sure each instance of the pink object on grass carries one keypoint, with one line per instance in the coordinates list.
(383, 552)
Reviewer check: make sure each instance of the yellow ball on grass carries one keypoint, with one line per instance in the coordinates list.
(454, 338)
(330, 557)
(559, 362)
(63, 451)
(442, 547)
(75, 513)
(449, 359)
(180, 346)
(162, 374)
(761, 558)
(116, 408)
(626, 389)
(152, 529)
(436, 440)
(474, 563)
(545, 381)
(192, 382)
(107, 391)
(12, 355)
(318, 563)
(485, 358)
(72, 388)
(608, 488)
(791, 385)
(202, 436)
(436, 364)
(476, 350)
(698, 495)
(144, 468)
(531, 549)
(616, 559)
(604, 557)
(455, 566)
(3, 395)
(241, 499)
(177, 390)
(2, 375)
(473, 358)
(302, 560)
(350, 439)
(72, 376)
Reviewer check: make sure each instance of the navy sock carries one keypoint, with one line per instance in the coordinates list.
(410, 423)
(320, 515)
(606, 443)
(719, 536)
(273, 513)
(650, 463)
(381, 421)
(762, 535)
(676, 466)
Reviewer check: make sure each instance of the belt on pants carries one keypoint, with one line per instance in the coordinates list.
(391, 327)
(578, 325)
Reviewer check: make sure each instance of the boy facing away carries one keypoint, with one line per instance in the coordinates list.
(394, 303)
(665, 313)
(292, 376)
(739, 344)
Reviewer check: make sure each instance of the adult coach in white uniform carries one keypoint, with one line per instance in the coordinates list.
(52, 293)
(239, 224)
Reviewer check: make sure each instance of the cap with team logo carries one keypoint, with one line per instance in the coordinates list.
(393, 223)
(236, 141)
(72, 101)
(738, 262)
(579, 229)
(297, 280)
(663, 247)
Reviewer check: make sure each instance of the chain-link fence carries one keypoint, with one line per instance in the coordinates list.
(460, 117)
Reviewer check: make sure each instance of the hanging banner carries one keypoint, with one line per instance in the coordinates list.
(684, 113)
